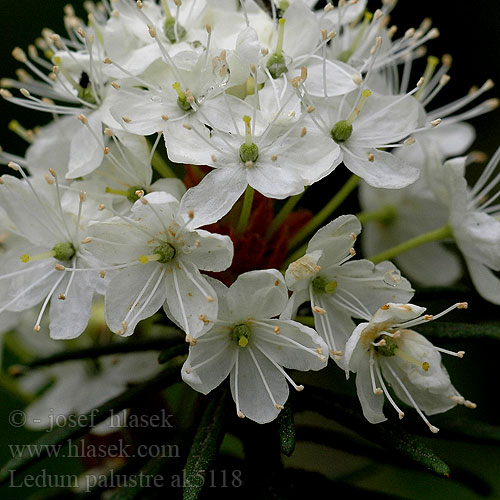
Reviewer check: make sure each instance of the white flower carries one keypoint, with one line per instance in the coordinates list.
(474, 219)
(341, 290)
(77, 84)
(126, 173)
(252, 348)
(47, 261)
(359, 125)
(386, 348)
(277, 160)
(161, 261)
(82, 386)
(407, 213)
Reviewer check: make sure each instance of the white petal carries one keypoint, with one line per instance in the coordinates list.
(214, 196)
(339, 78)
(69, 317)
(250, 384)
(86, 153)
(116, 242)
(143, 111)
(258, 294)
(485, 281)
(282, 346)
(372, 285)
(213, 252)
(431, 389)
(385, 119)
(335, 239)
(219, 356)
(129, 296)
(385, 171)
(189, 296)
(371, 403)
(175, 187)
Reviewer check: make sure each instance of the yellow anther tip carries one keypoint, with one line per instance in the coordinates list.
(247, 119)
(176, 85)
(425, 366)
(282, 21)
(143, 259)
(366, 93)
(25, 258)
(243, 342)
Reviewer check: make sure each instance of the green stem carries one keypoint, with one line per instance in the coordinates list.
(285, 211)
(161, 166)
(385, 214)
(325, 212)
(436, 235)
(245, 211)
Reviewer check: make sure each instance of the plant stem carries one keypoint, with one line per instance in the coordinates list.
(161, 166)
(436, 235)
(326, 211)
(384, 214)
(246, 209)
(286, 209)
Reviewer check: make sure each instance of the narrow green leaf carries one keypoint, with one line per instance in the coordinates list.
(157, 344)
(206, 444)
(151, 470)
(445, 330)
(60, 435)
(172, 352)
(286, 430)
(390, 435)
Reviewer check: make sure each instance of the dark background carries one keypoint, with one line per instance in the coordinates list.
(468, 32)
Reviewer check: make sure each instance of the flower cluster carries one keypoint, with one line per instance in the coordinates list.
(249, 99)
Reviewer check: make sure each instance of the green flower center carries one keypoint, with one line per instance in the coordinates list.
(166, 252)
(64, 251)
(341, 131)
(240, 334)
(390, 347)
(321, 284)
(277, 65)
(249, 152)
(131, 193)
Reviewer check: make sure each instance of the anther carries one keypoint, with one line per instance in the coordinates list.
(59, 267)
(126, 119)
(276, 330)
(319, 310)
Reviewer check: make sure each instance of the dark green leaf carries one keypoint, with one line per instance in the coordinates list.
(390, 435)
(118, 348)
(461, 330)
(61, 435)
(172, 352)
(206, 444)
(286, 430)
